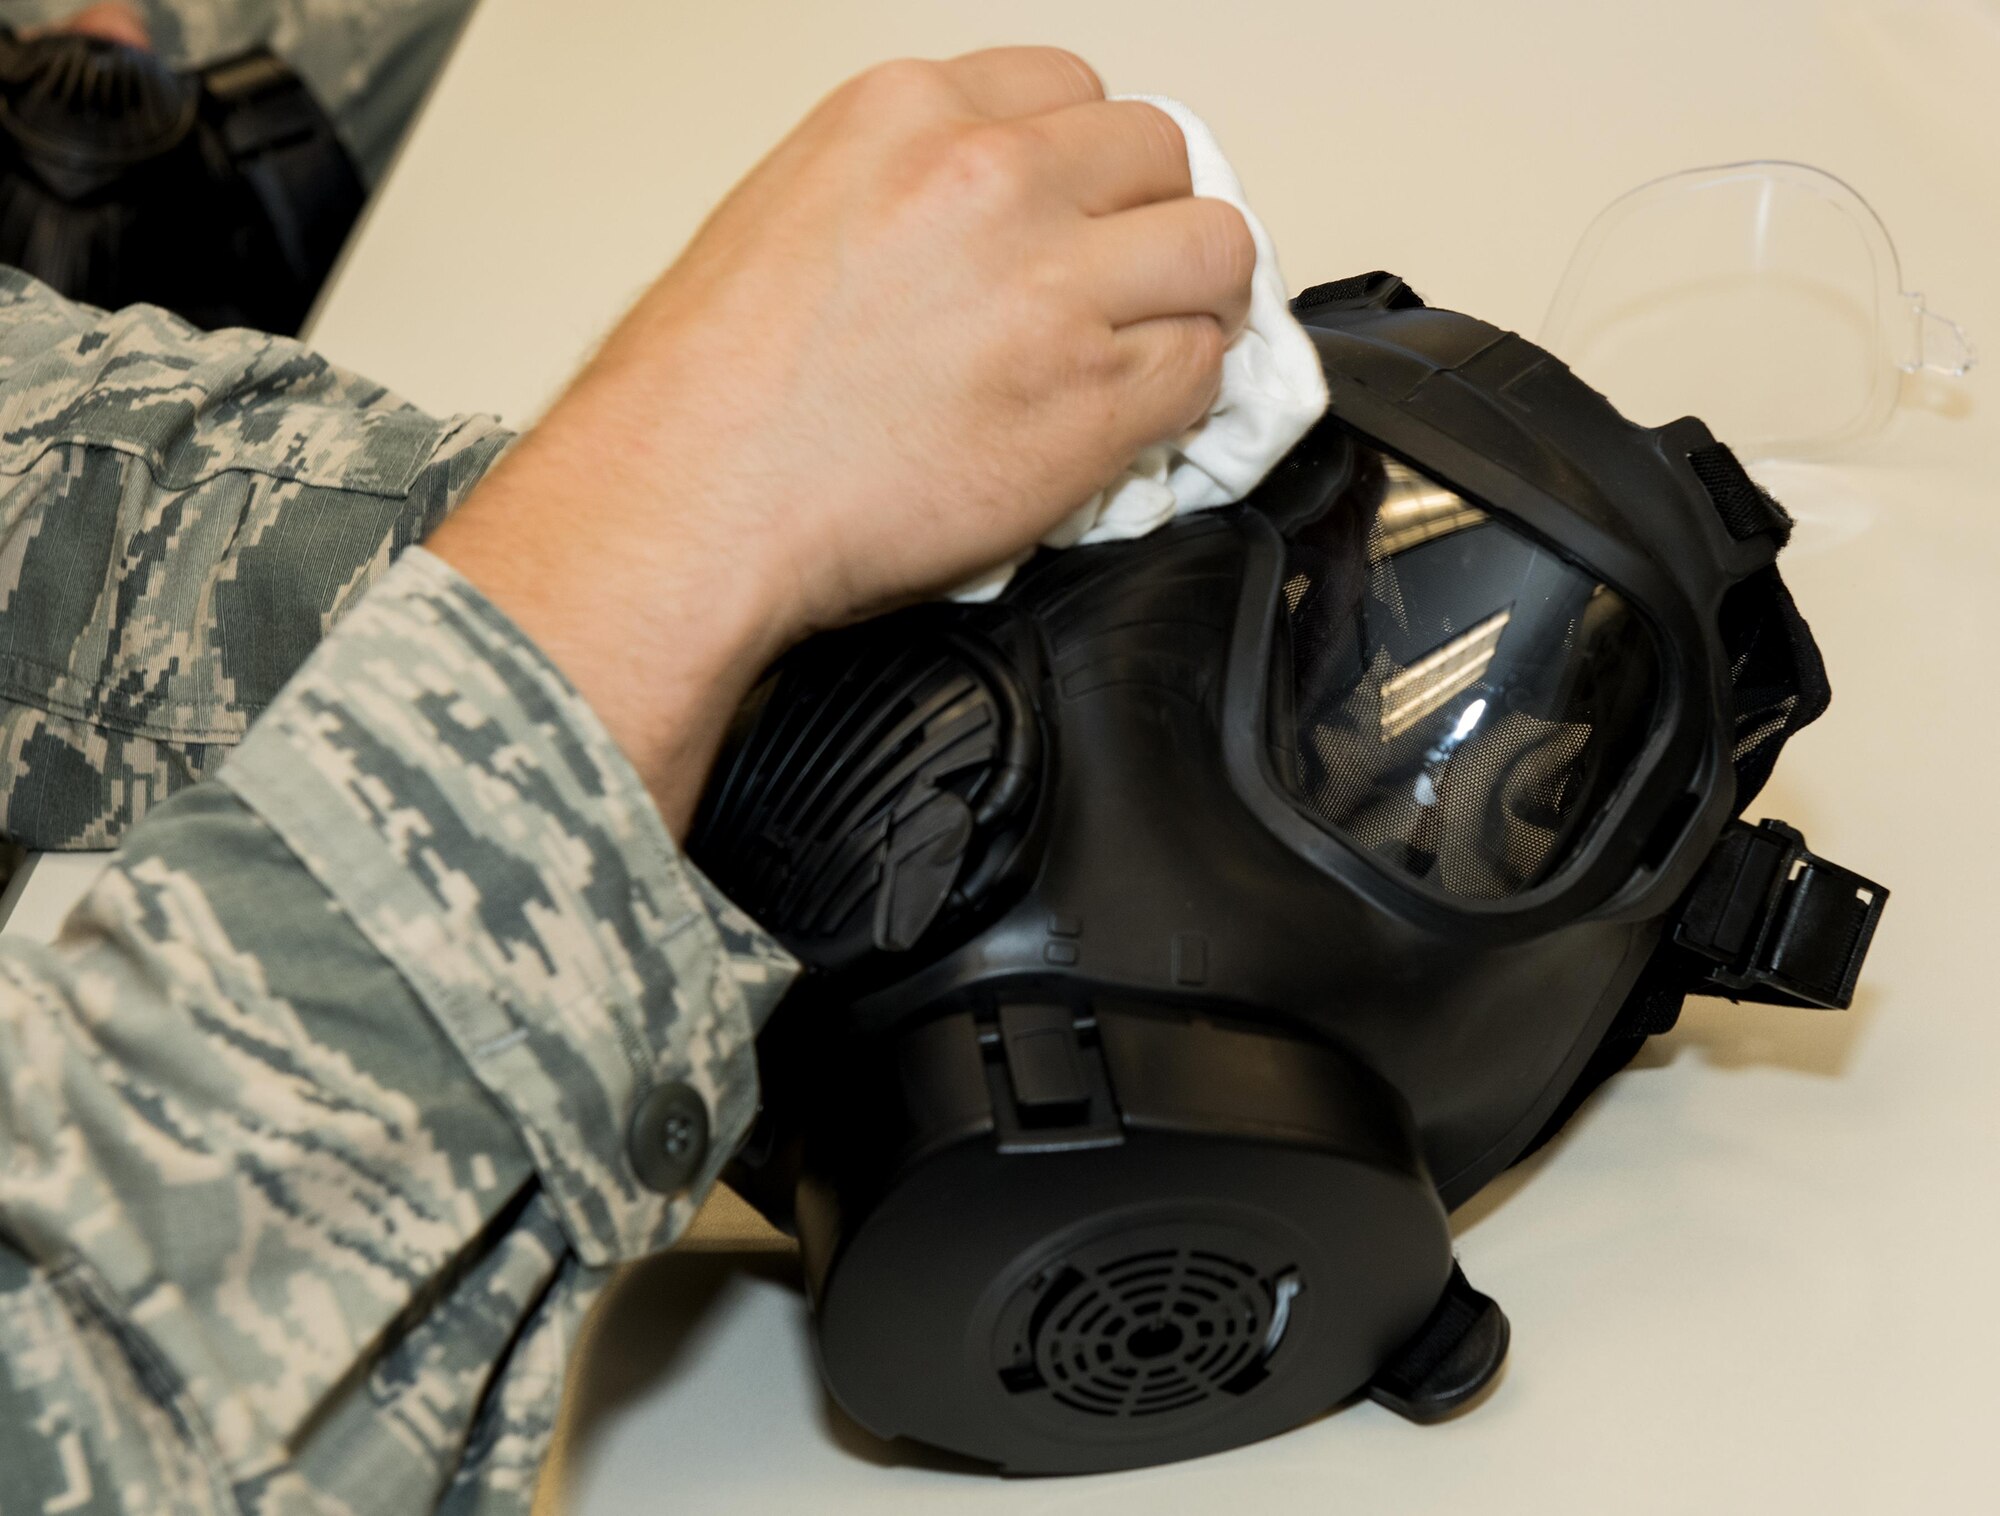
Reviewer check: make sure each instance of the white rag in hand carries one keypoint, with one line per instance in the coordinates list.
(1272, 392)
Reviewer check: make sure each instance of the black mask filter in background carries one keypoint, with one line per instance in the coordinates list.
(223, 194)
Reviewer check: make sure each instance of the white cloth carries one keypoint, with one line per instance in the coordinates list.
(1272, 392)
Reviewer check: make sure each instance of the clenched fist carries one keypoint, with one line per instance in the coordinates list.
(943, 312)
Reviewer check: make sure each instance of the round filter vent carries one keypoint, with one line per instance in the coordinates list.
(78, 103)
(1118, 1330)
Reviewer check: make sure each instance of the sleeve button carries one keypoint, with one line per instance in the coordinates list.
(669, 1137)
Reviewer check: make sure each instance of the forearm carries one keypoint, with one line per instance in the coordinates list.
(318, 1116)
(662, 629)
(211, 1072)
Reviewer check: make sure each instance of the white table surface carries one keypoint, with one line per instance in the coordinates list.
(1753, 1275)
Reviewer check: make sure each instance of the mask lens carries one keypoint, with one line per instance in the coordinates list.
(1763, 297)
(1464, 701)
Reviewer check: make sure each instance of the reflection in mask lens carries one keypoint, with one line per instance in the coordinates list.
(1464, 701)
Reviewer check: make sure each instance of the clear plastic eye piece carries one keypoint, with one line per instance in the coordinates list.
(1764, 297)
(1465, 702)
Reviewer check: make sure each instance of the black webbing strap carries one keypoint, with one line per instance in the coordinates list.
(1775, 923)
(1746, 507)
(1378, 290)
(286, 148)
(1766, 921)
(1453, 1356)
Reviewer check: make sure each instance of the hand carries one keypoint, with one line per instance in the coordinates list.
(110, 22)
(944, 311)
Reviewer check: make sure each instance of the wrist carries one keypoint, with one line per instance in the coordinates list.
(662, 627)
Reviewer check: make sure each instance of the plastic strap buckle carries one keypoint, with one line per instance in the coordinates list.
(1783, 925)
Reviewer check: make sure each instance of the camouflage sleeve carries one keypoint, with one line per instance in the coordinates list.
(369, 63)
(347, 1084)
(182, 517)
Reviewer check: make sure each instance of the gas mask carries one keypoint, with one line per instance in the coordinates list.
(222, 194)
(1188, 931)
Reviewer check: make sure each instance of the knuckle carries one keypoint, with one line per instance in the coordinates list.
(1201, 348)
(1194, 366)
(1056, 360)
(1182, 356)
(1054, 350)
(1043, 287)
(993, 163)
(901, 85)
(1215, 245)
(1163, 134)
(1235, 250)
(1094, 361)
(1070, 67)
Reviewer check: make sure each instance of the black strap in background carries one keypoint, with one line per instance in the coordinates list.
(292, 158)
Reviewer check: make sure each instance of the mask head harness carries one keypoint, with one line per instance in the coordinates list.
(222, 193)
(1188, 930)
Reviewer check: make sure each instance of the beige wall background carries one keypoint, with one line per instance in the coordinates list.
(572, 148)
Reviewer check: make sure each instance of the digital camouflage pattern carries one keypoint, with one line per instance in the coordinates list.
(313, 1123)
(367, 62)
(184, 515)
(408, 766)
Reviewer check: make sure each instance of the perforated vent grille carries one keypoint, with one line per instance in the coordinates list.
(1148, 1333)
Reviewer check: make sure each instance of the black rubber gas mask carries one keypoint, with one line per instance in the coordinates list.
(1191, 929)
(222, 193)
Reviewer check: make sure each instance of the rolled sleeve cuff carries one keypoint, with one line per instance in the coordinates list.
(456, 797)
